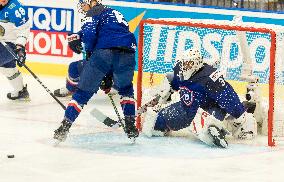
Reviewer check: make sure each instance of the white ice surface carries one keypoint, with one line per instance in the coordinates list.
(95, 153)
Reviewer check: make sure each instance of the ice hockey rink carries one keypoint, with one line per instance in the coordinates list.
(96, 153)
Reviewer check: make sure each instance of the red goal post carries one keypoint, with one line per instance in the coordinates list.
(149, 38)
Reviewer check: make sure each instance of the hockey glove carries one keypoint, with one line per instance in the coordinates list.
(21, 52)
(165, 91)
(75, 43)
(106, 83)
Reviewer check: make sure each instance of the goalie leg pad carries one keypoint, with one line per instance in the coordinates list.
(218, 136)
(149, 123)
(209, 130)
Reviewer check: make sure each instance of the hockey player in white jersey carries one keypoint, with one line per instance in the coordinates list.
(205, 100)
(14, 32)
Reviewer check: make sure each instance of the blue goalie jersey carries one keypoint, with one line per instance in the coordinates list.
(209, 90)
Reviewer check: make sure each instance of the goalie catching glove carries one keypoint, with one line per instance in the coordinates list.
(164, 90)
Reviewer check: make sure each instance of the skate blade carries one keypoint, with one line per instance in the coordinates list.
(26, 99)
(55, 143)
(22, 100)
(132, 140)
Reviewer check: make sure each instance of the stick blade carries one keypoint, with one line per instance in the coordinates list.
(101, 117)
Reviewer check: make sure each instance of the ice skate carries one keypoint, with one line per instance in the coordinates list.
(130, 128)
(19, 95)
(62, 92)
(61, 133)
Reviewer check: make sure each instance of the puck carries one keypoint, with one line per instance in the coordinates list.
(10, 156)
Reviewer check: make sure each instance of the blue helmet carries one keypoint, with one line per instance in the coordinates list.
(81, 2)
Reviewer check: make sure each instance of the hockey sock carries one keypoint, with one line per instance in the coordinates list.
(15, 78)
(79, 99)
(128, 106)
(71, 83)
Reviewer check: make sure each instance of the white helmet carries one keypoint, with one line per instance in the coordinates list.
(190, 62)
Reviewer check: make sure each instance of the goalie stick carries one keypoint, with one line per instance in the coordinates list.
(101, 117)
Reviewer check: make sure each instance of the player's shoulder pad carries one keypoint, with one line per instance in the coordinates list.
(96, 10)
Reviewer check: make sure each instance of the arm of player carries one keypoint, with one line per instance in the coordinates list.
(89, 35)
(165, 89)
(21, 20)
(224, 95)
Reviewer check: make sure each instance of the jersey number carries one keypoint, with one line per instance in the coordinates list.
(20, 12)
(120, 18)
(222, 81)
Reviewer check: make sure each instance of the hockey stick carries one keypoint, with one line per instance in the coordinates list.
(34, 75)
(120, 123)
(101, 117)
(45, 87)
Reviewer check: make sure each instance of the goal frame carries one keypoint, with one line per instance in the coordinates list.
(271, 140)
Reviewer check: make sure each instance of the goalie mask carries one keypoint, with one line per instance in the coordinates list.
(190, 62)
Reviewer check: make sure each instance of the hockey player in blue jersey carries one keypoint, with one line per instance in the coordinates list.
(109, 46)
(204, 97)
(75, 68)
(14, 31)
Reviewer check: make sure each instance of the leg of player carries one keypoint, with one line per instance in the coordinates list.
(8, 68)
(204, 126)
(172, 117)
(209, 129)
(122, 77)
(151, 123)
(79, 99)
(15, 78)
(72, 79)
(89, 83)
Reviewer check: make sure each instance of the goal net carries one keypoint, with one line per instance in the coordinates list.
(242, 51)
